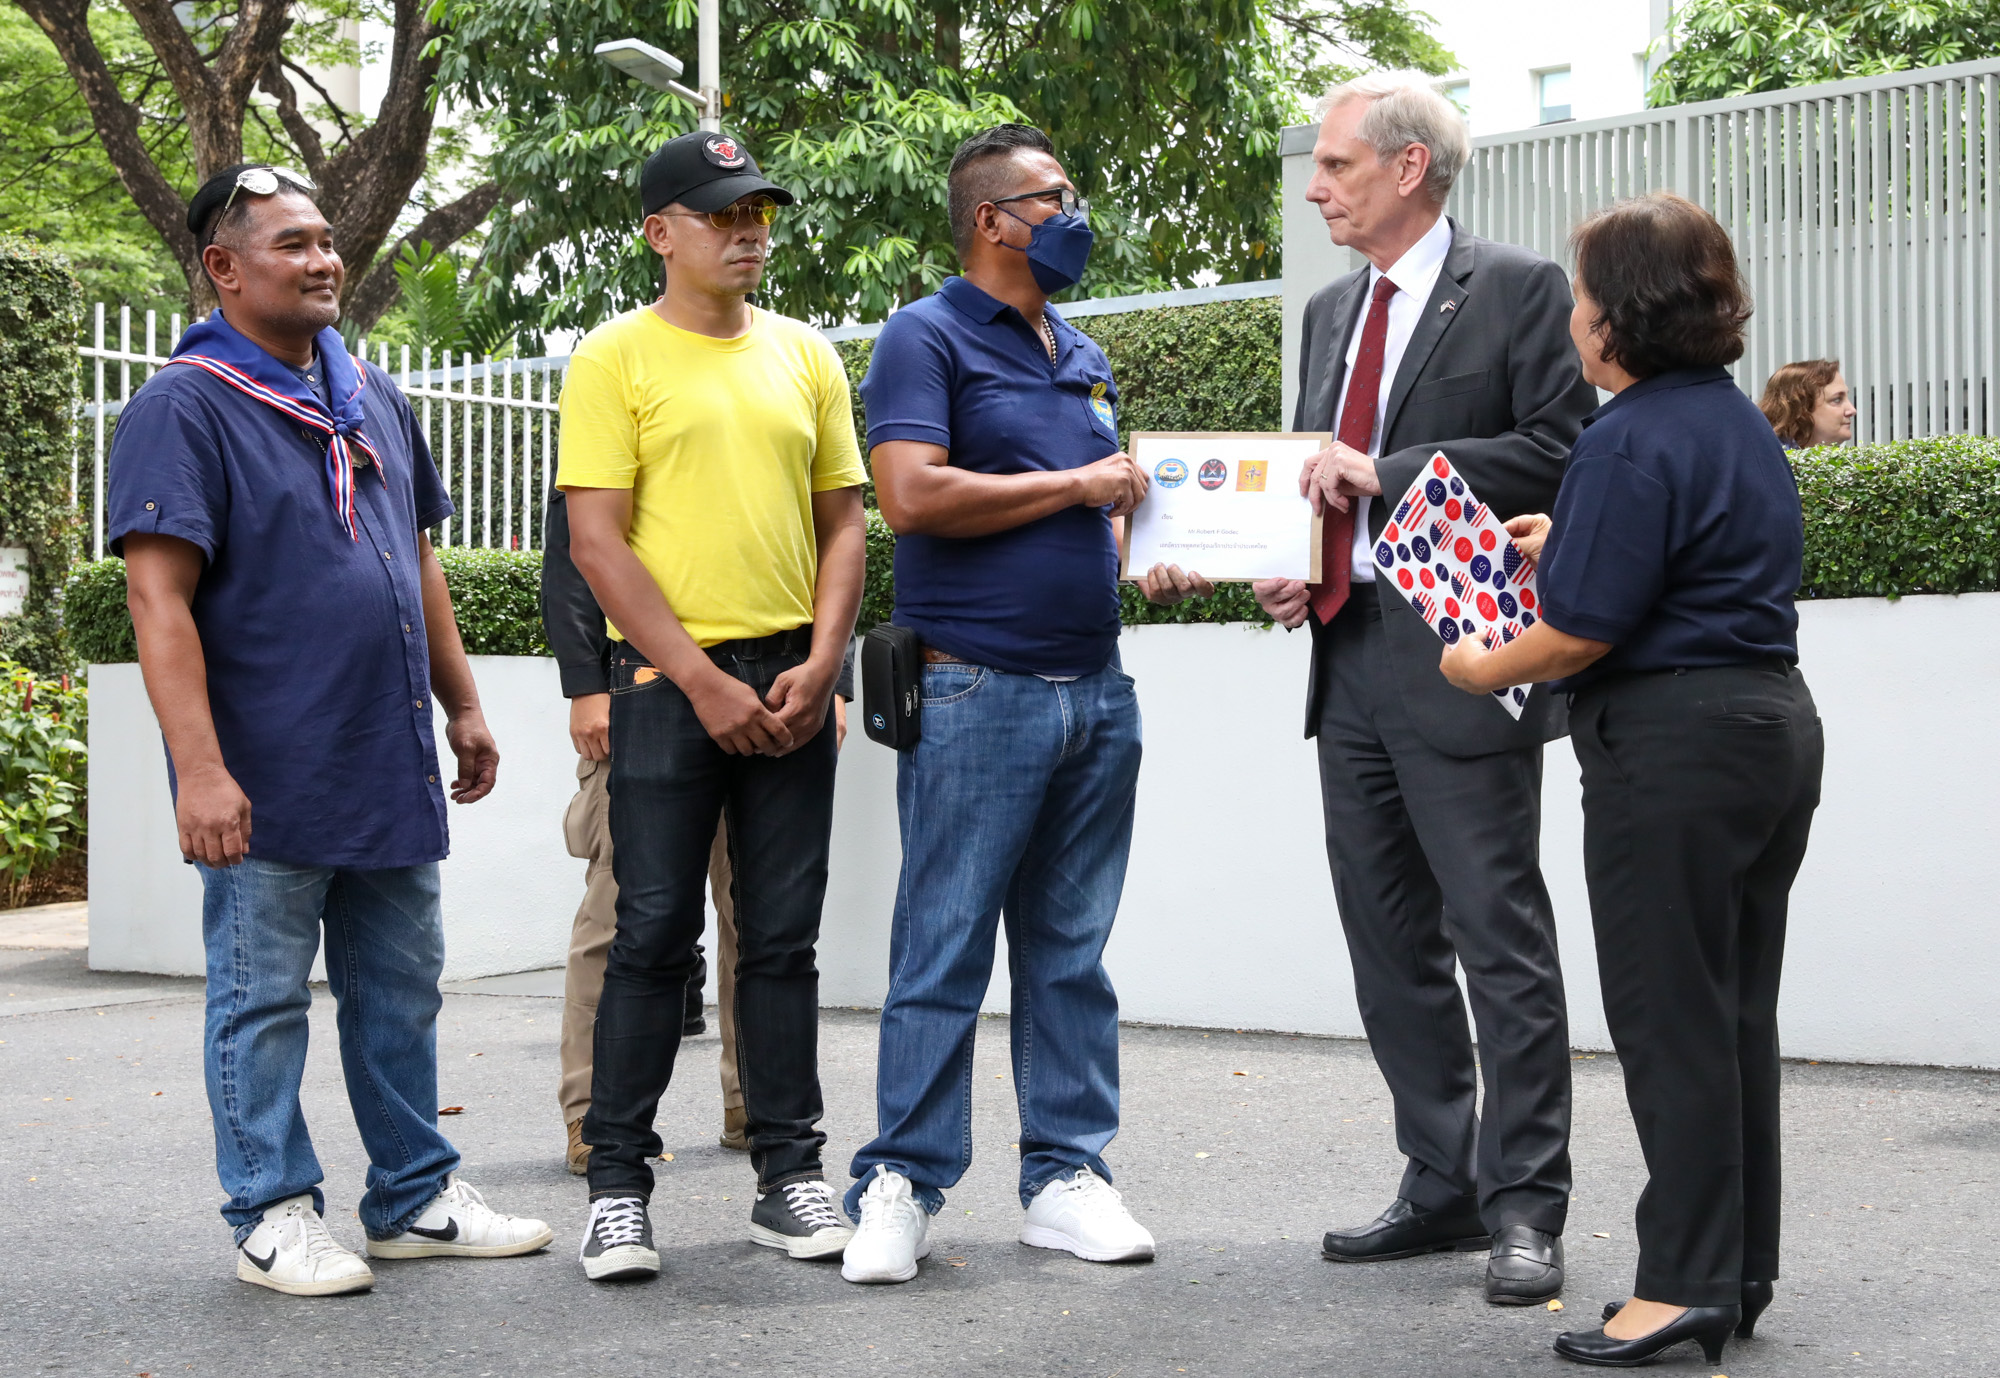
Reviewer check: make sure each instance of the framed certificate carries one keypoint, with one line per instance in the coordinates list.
(1224, 504)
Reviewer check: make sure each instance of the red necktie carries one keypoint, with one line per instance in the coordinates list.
(1357, 428)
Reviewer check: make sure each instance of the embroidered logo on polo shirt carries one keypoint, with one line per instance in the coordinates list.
(724, 152)
(1100, 406)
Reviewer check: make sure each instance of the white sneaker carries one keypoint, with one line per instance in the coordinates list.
(1086, 1216)
(291, 1252)
(459, 1224)
(894, 1233)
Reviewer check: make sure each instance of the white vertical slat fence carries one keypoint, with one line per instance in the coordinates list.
(490, 422)
(1866, 216)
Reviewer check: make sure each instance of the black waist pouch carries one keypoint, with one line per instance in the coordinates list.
(892, 686)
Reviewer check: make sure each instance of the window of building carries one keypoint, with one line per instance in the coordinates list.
(1552, 94)
(1459, 93)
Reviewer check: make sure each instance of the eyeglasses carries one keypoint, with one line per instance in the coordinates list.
(762, 210)
(262, 181)
(1068, 200)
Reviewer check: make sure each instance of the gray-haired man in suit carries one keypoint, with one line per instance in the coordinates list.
(1445, 341)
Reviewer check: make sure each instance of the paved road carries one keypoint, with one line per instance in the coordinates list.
(1240, 1149)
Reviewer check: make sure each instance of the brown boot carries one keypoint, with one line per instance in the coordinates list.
(735, 1124)
(579, 1151)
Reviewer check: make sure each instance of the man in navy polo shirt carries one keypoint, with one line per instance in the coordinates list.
(269, 495)
(992, 425)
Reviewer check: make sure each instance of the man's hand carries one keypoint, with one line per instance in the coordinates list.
(798, 696)
(213, 816)
(1115, 481)
(839, 722)
(1336, 476)
(478, 756)
(735, 717)
(1286, 600)
(1166, 585)
(590, 726)
(1531, 533)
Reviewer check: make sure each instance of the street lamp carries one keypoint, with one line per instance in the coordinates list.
(647, 64)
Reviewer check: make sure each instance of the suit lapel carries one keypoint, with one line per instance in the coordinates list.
(1439, 312)
(1326, 387)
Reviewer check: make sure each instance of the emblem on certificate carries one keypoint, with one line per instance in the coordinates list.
(1240, 518)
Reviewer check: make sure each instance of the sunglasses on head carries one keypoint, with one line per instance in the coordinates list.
(762, 210)
(262, 181)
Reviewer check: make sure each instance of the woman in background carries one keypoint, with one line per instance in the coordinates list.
(1807, 403)
(1666, 578)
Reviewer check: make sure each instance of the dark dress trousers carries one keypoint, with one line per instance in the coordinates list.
(1678, 539)
(1432, 797)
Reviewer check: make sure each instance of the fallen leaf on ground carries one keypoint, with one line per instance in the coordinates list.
(1555, 1304)
(452, 1110)
(960, 1263)
(1201, 1155)
(1599, 1234)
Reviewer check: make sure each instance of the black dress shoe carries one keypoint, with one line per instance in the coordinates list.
(1404, 1231)
(1526, 1266)
(1707, 1326)
(1756, 1296)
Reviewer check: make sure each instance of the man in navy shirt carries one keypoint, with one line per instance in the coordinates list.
(269, 494)
(992, 425)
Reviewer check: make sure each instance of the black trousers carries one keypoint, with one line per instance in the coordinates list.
(1436, 863)
(1698, 793)
(669, 784)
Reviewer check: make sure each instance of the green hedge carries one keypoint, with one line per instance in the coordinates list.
(1912, 516)
(41, 313)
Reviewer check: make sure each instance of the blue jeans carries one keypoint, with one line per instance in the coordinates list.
(261, 924)
(1019, 798)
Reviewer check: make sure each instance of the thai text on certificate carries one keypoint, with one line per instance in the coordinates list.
(1225, 505)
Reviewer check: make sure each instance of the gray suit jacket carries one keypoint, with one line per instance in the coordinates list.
(1491, 378)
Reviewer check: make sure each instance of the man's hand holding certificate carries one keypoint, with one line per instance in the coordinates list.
(1226, 504)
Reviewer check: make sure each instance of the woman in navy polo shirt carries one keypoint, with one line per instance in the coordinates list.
(1667, 576)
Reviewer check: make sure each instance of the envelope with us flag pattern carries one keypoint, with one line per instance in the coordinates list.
(1445, 551)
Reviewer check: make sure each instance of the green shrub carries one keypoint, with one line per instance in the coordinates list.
(497, 597)
(1911, 516)
(43, 766)
(95, 616)
(41, 311)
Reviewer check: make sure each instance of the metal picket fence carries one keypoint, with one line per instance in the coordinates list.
(1866, 217)
(491, 424)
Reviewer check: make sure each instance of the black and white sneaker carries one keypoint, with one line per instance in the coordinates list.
(803, 1218)
(618, 1240)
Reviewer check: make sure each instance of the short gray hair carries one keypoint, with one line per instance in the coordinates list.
(1405, 108)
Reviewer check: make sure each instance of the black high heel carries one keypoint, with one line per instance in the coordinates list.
(1708, 1326)
(1756, 1297)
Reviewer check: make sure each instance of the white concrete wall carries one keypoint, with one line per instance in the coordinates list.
(1228, 917)
(1501, 48)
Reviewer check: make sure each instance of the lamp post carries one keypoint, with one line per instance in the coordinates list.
(646, 64)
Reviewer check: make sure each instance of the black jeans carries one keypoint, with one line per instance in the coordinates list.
(1698, 794)
(669, 782)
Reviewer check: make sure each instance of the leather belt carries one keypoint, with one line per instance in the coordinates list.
(933, 656)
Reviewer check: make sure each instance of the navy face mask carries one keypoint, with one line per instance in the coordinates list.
(1058, 249)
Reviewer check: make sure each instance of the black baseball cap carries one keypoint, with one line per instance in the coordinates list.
(703, 172)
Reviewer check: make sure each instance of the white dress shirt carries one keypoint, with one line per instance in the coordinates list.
(1414, 274)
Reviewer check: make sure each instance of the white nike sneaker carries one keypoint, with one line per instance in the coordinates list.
(291, 1252)
(459, 1224)
(894, 1233)
(1086, 1216)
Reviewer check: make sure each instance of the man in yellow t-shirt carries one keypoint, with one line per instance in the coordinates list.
(714, 495)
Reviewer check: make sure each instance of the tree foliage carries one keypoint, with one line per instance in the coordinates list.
(1165, 112)
(175, 91)
(1724, 48)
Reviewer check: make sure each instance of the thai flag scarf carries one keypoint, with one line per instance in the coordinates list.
(217, 347)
